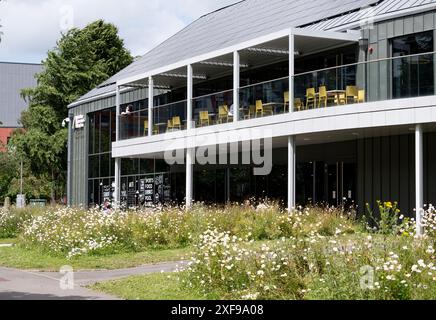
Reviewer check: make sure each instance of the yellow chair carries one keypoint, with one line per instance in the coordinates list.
(223, 114)
(298, 104)
(260, 109)
(177, 123)
(352, 94)
(286, 100)
(361, 96)
(170, 126)
(155, 128)
(324, 97)
(310, 98)
(204, 118)
(251, 113)
(145, 127)
(341, 99)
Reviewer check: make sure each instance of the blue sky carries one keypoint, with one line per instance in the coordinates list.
(31, 27)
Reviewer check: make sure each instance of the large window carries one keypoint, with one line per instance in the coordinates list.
(143, 181)
(413, 76)
(101, 167)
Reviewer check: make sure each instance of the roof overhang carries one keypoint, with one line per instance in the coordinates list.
(174, 75)
(301, 36)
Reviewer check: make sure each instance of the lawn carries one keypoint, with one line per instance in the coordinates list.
(160, 286)
(20, 258)
(17, 257)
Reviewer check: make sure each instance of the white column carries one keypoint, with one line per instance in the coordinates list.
(150, 106)
(118, 112)
(190, 92)
(236, 84)
(117, 160)
(419, 154)
(189, 177)
(117, 191)
(291, 71)
(291, 172)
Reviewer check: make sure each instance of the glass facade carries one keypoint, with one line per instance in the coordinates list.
(144, 182)
(413, 76)
(101, 166)
(149, 182)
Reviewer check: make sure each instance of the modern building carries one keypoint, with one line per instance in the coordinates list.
(340, 93)
(13, 78)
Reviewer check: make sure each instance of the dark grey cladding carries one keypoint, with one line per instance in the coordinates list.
(13, 78)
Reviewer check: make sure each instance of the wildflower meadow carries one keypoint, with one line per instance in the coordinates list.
(251, 252)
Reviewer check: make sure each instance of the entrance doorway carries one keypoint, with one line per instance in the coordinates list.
(326, 183)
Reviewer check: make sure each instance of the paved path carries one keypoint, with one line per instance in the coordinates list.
(25, 285)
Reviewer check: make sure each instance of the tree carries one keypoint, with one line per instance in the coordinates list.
(8, 170)
(82, 59)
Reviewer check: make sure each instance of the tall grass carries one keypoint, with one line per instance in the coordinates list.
(72, 232)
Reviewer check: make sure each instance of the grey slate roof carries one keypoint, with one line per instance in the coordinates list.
(13, 78)
(385, 7)
(243, 21)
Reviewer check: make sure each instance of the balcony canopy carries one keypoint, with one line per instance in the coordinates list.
(258, 52)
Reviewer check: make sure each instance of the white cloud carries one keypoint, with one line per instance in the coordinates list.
(31, 27)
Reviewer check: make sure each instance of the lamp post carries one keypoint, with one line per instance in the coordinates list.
(70, 121)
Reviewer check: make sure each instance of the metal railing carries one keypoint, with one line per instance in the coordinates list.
(374, 80)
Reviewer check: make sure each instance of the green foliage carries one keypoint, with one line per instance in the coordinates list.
(33, 188)
(389, 220)
(8, 171)
(12, 222)
(82, 59)
(75, 232)
(10, 182)
(313, 267)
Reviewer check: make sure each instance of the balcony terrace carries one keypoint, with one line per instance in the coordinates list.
(245, 82)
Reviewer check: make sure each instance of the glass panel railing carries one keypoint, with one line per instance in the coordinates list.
(264, 99)
(378, 80)
(134, 124)
(170, 117)
(212, 109)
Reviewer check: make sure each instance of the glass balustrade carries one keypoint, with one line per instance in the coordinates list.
(212, 109)
(134, 124)
(264, 99)
(385, 79)
(378, 80)
(169, 117)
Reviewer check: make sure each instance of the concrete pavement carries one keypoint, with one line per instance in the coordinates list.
(26, 285)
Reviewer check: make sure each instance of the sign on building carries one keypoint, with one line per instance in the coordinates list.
(79, 122)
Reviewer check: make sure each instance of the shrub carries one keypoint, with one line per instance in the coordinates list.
(12, 221)
(389, 221)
